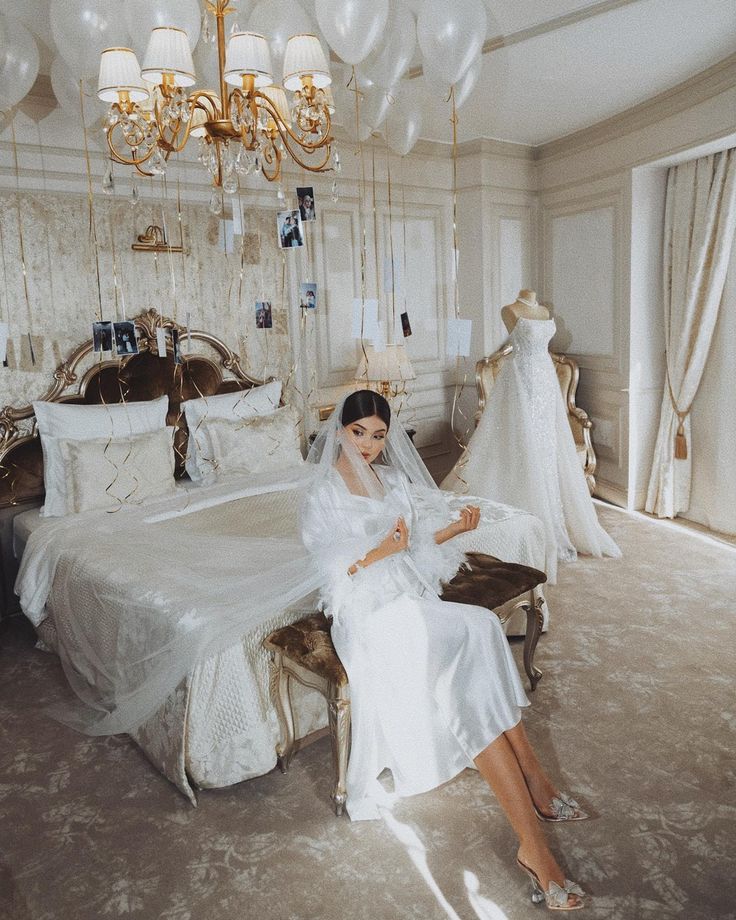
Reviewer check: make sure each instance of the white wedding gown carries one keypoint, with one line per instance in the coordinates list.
(523, 453)
(431, 683)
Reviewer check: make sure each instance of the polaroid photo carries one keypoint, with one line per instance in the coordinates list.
(176, 346)
(289, 225)
(4, 336)
(405, 325)
(308, 295)
(161, 342)
(102, 336)
(264, 319)
(125, 341)
(305, 196)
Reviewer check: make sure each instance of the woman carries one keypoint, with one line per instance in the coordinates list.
(433, 685)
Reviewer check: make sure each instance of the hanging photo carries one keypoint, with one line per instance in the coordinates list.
(264, 320)
(175, 346)
(125, 341)
(102, 336)
(305, 196)
(308, 295)
(405, 325)
(4, 335)
(289, 225)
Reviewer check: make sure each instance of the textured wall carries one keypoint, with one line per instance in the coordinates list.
(62, 280)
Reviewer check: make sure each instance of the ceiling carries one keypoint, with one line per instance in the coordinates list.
(552, 67)
(545, 86)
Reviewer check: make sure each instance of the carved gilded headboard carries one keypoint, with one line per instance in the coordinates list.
(209, 368)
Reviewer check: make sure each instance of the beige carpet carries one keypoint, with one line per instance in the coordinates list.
(635, 715)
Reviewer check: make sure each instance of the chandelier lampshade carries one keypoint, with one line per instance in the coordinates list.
(248, 54)
(120, 73)
(199, 118)
(278, 97)
(305, 58)
(168, 57)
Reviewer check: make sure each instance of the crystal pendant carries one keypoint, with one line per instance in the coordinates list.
(230, 185)
(206, 31)
(108, 182)
(157, 163)
(134, 196)
(335, 193)
(337, 165)
(280, 193)
(216, 202)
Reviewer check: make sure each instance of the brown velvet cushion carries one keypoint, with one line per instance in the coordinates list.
(307, 643)
(489, 582)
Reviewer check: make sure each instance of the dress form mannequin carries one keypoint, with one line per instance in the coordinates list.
(525, 305)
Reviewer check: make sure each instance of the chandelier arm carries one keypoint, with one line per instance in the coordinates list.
(121, 158)
(326, 146)
(310, 147)
(271, 154)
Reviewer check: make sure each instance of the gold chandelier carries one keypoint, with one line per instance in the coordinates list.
(248, 126)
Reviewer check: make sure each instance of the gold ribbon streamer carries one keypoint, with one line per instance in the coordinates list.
(21, 244)
(90, 201)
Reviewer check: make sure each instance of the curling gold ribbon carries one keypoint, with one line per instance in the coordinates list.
(90, 202)
(21, 244)
(361, 216)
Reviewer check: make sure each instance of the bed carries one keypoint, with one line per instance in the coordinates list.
(217, 726)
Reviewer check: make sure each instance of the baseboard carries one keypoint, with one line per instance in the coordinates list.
(610, 492)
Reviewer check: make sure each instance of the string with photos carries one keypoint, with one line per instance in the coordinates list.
(361, 216)
(405, 404)
(304, 312)
(459, 386)
(121, 387)
(21, 243)
(6, 470)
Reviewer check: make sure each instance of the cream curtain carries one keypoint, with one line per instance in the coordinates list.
(713, 496)
(700, 215)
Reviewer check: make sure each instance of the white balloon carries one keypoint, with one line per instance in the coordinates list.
(376, 107)
(451, 35)
(66, 89)
(143, 15)
(82, 29)
(352, 28)
(437, 84)
(387, 62)
(278, 20)
(18, 64)
(33, 14)
(403, 127)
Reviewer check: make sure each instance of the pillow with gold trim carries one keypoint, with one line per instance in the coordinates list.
(262, 443)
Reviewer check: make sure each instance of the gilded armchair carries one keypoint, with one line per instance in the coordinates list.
(568, 375)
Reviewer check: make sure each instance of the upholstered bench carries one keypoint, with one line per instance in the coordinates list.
(304, 651)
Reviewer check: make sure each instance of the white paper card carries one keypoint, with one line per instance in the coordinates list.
(458, 337)
(365, 319)
(237, 219)
(161, 342)
(225, 243)
(4, 333)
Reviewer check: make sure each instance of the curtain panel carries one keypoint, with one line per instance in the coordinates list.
(700, 218)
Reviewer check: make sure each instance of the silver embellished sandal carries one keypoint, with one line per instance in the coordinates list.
(556, 897)
(563, 808)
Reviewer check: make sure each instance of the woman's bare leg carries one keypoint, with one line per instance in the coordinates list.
(541, 787)
(499, 767)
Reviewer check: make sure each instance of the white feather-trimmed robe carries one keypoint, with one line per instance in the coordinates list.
(431, 683)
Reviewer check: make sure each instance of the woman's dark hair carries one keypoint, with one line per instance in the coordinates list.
(363, 404)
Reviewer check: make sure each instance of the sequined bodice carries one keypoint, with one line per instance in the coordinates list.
(531, 337)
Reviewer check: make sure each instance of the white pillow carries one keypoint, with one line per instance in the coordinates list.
(60, 420)
(106, 473)
(262, 443)
(244, 404)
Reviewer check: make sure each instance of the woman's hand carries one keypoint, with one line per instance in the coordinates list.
(394, 542)
(468, 520)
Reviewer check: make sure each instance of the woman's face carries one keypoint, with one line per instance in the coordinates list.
(368, 435)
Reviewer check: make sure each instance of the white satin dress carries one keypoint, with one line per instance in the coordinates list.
(523, 453)
(431, 683)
